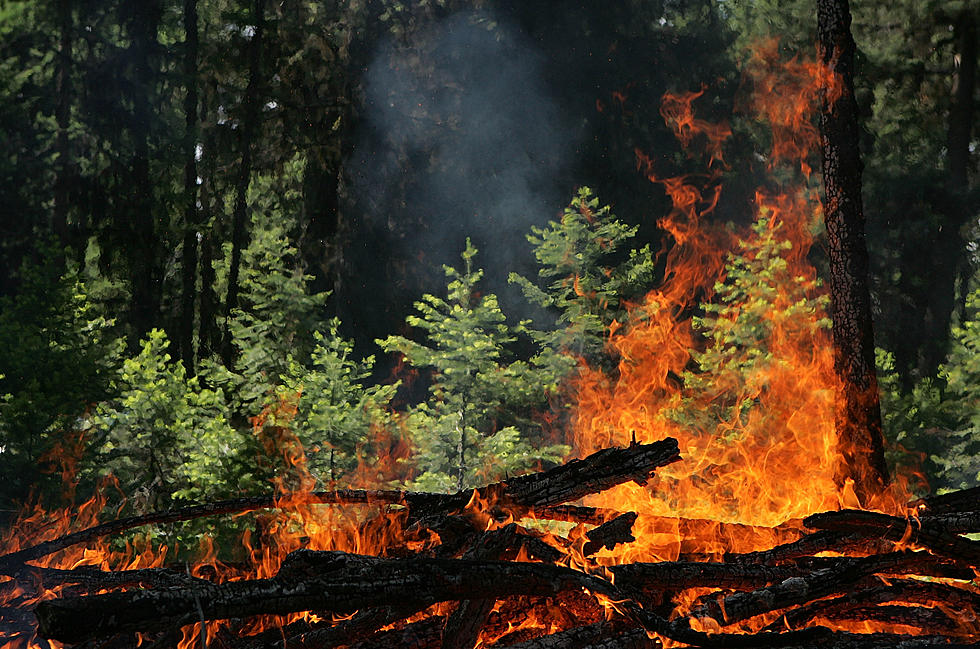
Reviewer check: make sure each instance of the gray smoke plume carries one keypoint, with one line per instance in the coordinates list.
(461, 137)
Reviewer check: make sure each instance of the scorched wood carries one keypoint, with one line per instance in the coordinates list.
(353, 582)
(575, 479)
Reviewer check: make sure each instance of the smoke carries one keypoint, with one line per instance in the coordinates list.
(461, 136)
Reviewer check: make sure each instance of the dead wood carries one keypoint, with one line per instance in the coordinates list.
(344, 584)
(570, 481)
(911, 591)
(965, 500)
(610, 534)
(896, 529)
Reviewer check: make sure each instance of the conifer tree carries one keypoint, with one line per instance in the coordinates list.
(474, 427)
(589, 278)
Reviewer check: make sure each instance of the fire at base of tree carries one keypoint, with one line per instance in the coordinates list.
(307, 345)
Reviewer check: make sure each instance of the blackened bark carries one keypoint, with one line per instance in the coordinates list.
(351, 583)
(250, 119)
(858, 412)
(601, 470)
(185, 329)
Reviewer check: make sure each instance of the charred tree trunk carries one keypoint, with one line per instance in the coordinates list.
(858, 412)
(239, 226)
(185, 333)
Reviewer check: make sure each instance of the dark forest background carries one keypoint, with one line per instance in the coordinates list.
(209, 207)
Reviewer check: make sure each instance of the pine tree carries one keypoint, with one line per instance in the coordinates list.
(461, 431)
(589, 276)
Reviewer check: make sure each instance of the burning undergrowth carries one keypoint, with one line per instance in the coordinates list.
(708, 455)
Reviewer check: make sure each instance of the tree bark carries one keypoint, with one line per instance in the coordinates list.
(144, 266)
(249, 129)
(858, 412)
(63, 118)
(344, 584)
(185, 329)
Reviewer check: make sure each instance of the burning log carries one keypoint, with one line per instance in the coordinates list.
(899, 530)
(384, 597)
(329, 581)
(568, 482)
(601, 635)
(610, 534)
(903, 590)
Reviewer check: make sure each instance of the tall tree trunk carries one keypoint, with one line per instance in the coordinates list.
(144, 266)
(958, 137)
(63, 118)
(185, 330)
(239, 232)
(858, 412)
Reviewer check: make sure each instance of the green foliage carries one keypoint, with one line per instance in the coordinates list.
(337, 412)
(913, 421)
(474, 428)
(163, 436)
(278, 314)
(760, 295)
(57, 355)
(935, 426)
(961, 459)
(589, 280)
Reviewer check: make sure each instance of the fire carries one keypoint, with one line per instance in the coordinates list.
(757, 440)
(766, 454)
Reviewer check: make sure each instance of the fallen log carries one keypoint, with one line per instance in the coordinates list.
(899, 590)
(345, 584)
(571, 481)
(898, 530)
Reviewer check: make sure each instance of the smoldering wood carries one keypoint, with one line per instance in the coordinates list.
(601, 635)
(932, 621)
(571, 481)
(379, 588)
(955, 502)
(326, 634)
(957, 522)
(463, 627)
(679, 575)
(845, 640)
(792, 591)
(809, 545)
(610, 534)
(345, 583)
(897, 529)
(911, 591)
(423, 634)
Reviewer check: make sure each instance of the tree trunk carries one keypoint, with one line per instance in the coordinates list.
(185, 330)
(858, 412)
(239, 232)
(143, 263)
(63, 117)
(961, 116)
